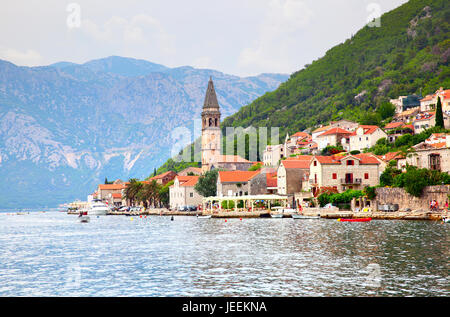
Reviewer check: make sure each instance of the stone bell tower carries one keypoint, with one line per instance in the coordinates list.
(211, 134)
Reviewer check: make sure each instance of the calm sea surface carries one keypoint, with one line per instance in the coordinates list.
(51, 254)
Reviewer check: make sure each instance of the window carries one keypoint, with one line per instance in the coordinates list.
(366, 175)
(191, 194)
(315, 163)
(334, 176)
(350, 162)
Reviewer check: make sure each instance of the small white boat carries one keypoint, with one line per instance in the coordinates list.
(276, 215)
(298, 216)
(204, 217)
(83, 217)
(98, 208)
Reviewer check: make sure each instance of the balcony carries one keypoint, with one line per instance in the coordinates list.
(350, 181)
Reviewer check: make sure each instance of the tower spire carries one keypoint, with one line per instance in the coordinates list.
(210, 97)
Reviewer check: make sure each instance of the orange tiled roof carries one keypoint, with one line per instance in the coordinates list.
(393, 125)
(365, 158)
(236, 176)
(117, 195)
(301, 134)
(271, 179)
(162, 175)
(191, 181)
(301, 157)
(322, 129)
(110, 186)
(335, 131)
(296, 163)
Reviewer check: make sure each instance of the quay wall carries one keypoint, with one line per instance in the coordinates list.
(404, 200)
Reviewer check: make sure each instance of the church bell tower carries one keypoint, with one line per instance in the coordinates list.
(211, 134)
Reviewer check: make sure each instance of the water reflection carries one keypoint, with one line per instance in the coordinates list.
(52, 255)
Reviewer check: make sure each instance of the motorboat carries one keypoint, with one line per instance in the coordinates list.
(83, 217)
(299, 216)
(204, 217)
(98, 208)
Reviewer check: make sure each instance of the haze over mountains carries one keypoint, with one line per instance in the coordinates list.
(65, 127)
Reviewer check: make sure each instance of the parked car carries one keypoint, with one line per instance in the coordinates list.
(192, 208)
(124, 208)
(183, 208)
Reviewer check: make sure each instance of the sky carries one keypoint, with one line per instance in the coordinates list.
(239, 37)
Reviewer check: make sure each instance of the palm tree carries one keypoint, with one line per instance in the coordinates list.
(149, 193)
(132, 189)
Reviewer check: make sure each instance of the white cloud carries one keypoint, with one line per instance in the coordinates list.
(202, 62)
(28, 58)
(273, 48)
(140, 30)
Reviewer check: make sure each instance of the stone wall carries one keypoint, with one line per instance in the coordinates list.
(404, 200)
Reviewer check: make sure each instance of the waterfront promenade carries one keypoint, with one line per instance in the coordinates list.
(327, 213)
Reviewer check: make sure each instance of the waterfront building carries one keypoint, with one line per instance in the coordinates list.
(433, 153)
(182, 192)
(239, 183)
(105, 191)
(292, 173)
(344, 172)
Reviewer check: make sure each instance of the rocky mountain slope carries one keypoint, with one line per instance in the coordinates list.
(65, 127)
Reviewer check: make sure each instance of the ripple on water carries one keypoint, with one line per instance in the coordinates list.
(51, 254)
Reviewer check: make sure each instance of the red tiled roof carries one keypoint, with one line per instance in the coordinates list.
(301, 158)
(110, 186)
(296, 163)
(365, 158)
(301, 134)
(162, 175)
(236, 176)
(335, 131)
(271, 179)
(191, 181)
(322, 129)
(327, 159)
(117, 195)
(391, 156)
(393, 125)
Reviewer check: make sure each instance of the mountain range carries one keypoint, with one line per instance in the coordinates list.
(66, 126)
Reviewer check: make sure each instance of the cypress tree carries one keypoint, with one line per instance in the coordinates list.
(439, 115)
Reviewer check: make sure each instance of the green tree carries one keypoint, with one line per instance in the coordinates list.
(207, 184)
(386, 110)
(439, 114)
(132, 189)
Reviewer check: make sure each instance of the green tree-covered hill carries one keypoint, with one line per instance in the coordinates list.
(407, 54)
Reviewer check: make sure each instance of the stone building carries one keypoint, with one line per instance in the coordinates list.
(292, 173)
(241, 183)
(433, 153)
(364, 137)
(182, 192)
(163, 178)
(211, 133)
(105, 192)
(344, 172)
(273, 154)
(332, 137)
